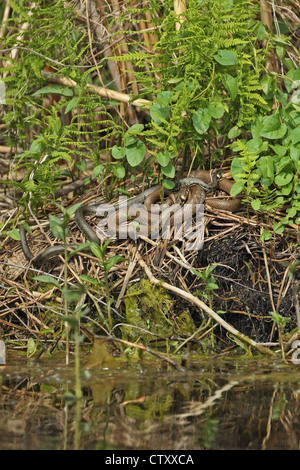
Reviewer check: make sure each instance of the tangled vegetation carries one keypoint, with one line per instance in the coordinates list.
(99, 98)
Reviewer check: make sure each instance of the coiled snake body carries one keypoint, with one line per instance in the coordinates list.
(190, 190)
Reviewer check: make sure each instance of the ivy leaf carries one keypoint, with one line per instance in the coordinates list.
(169, 170)
(163, 158)
(97, 170)
(234, 132)
(273, 128)
(225, 57)
(201, 120)
(266, 167)
(159, 112)
(119, 171)
(135, 153)
(118, 152)
(135, 129)
(283, 178)
(216, 109)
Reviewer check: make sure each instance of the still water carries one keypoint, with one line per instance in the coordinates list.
(232, 404)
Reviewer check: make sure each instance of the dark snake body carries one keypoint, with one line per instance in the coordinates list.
(199, 181)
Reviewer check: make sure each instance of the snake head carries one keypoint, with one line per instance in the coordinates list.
(217, 175)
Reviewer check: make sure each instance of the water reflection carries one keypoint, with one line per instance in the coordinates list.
(216, 404)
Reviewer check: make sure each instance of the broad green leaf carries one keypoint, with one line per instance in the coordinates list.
(55, 90)
(58, 227)
(118, 152)
(168, 170)
(216, 109)
(48, 280)
(231, 85)
(112, 261)
(295, 136)
(234, 132)
(97, 170)
(163, 158)
(273, 128)
(159, 112)
(135, 129)
(135, 153)
(256, 203)
(265, 165)
(168, 184)
(119, 171)
(225, 57)
(237, 188)
(283, 178)
(201, 120)
(164, 97)
(72, 104)
(14, 234)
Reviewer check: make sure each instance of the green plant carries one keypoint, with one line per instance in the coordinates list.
(271, 157)
(58, 127)
(205, 80)
(100, 251)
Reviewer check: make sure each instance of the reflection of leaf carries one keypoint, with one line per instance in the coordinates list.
(31, 347)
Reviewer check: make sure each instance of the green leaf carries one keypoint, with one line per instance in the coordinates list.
(168, 184)
(14, 234)
(231, 85)
(31, 347)
(225, 57)
(237, 188)
(265, 165)
(92, 280)
(119, 171)
(136, 129)
(256, 203)
(266, 235)
(159, 112)
(163, 158)
(55, 90)
(112, 261)
(97, 170)
(72, 104)
(169, 170)
(135, 153)
(118, 152)
(295, 136)
(58, 227)
(234, 132)
(273, 128)
(48, 280)
(216, 109)
(201, 120)
(283, 178)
